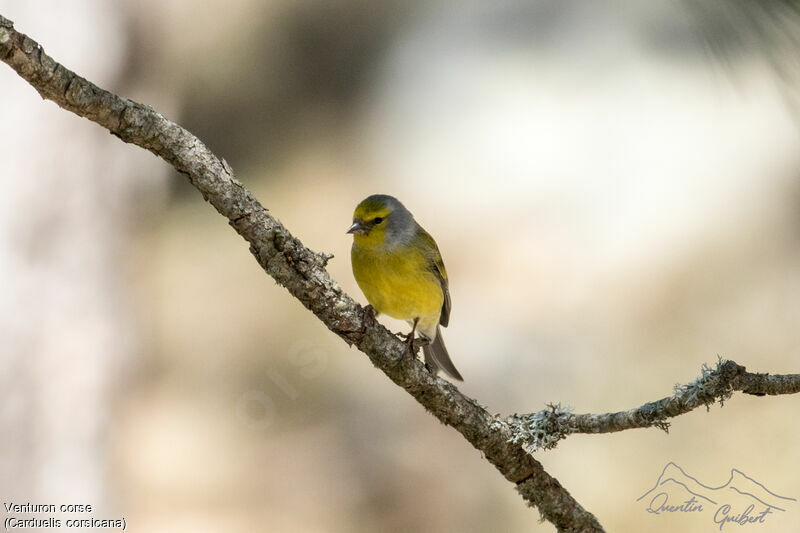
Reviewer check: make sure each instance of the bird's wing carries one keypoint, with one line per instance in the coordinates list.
(436, 266)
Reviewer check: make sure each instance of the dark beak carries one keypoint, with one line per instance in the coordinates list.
(358, 228)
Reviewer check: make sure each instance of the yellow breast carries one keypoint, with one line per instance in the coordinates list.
(398, 282)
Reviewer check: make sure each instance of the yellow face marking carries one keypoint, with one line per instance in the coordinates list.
(373, 217)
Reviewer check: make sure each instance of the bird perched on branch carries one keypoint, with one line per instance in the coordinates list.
(399, 269)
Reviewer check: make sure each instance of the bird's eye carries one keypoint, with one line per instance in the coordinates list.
(377, 220)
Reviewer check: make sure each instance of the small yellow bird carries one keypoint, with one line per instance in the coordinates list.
(399, 269)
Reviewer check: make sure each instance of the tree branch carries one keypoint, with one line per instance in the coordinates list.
(505, 443)
(545, 428)
(295, 267)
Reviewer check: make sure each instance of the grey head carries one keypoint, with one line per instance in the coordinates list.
(381, 211)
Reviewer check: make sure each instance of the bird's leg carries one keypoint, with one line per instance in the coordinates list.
(410, 336)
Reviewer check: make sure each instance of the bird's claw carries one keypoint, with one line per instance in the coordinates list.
(409, 340)
(368, 315)
(412, 342)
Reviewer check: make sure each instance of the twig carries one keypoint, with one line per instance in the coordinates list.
(544, 429)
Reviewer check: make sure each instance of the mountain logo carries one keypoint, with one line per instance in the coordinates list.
(741, 500)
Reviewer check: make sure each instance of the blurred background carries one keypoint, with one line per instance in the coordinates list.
(614, 188)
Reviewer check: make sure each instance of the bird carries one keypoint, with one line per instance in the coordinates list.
(399, 268)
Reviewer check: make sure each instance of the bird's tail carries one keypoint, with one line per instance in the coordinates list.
(437, 358)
